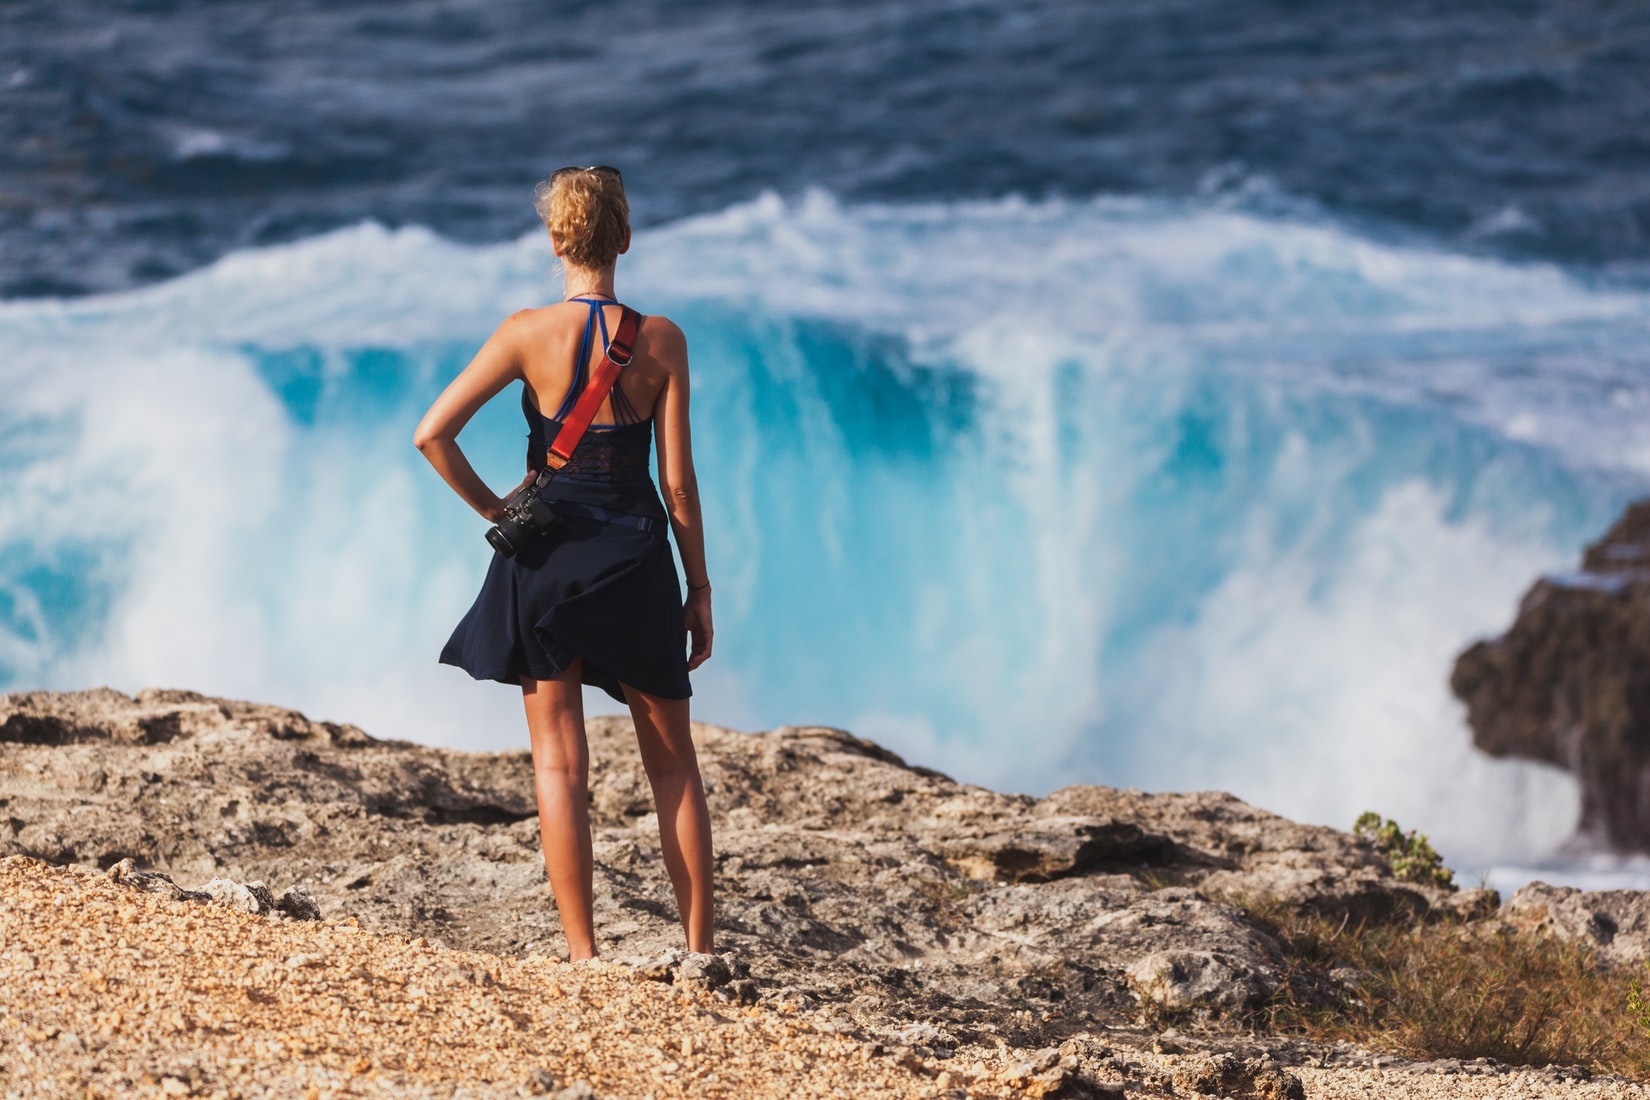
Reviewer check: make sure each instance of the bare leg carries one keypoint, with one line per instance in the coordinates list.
(684, 819)
(561, 777)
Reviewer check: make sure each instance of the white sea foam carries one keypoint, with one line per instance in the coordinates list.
(1583, 871)
(1121, 490)
(1318, 665)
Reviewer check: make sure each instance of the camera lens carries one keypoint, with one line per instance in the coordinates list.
(500, 541)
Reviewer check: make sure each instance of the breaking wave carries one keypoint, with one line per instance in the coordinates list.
(1130, 491)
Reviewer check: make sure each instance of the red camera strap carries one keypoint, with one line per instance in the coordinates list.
(606, 373)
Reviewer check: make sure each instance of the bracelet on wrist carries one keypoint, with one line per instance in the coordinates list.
(697, 587)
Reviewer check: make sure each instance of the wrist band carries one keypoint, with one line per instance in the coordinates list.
(697, 587)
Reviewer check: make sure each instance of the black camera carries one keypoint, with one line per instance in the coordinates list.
(526, 518)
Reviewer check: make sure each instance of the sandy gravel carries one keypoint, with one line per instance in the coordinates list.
(1377, 1084)
(106, 991)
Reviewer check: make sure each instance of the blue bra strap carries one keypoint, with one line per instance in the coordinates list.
(581, 366)
(596, 305)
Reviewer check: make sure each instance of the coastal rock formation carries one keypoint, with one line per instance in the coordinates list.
(1569, 683)
(1228, 1075)
(248, 897)
(1614, 923)
(895, 896)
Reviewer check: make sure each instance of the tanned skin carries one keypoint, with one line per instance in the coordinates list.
(538, 347)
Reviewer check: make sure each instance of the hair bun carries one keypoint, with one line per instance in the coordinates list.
(587, 213)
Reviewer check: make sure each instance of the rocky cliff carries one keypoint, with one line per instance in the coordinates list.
(1569, 683)
(907, 900)
(934, 923)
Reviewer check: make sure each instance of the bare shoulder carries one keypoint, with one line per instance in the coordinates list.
(531, 331)
(663, 340)
(538, 319)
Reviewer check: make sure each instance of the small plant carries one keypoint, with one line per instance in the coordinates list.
(1637, 1005)
(1412, 855)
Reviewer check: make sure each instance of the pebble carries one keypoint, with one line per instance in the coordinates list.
(136, 982)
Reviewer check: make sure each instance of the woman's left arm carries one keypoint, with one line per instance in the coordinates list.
(495, 366)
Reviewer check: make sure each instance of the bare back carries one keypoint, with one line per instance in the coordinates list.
(540, 347)
(550, 350)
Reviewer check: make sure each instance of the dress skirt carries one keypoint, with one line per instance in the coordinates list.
(602, 591)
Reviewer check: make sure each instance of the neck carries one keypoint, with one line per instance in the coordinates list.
(589, 282)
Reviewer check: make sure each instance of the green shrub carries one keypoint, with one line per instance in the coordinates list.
(1637, 1005)
(1412, 856)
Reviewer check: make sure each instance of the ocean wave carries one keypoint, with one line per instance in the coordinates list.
(1120, 490)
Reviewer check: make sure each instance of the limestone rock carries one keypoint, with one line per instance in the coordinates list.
(660, 968)
(845, 877)
(249, 897)
(1224, 846)
(1047, 848)
(1569, 683)
(725, 975)
(703, 972)
(153, 882)
(1040, 1075)
(297, 904)
(1614, 922)
(1227, 1075)
(1176, 980)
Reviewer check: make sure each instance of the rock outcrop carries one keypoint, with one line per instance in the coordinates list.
(1569, 683)
(248, 897)
(1613, 923)
(847, 878)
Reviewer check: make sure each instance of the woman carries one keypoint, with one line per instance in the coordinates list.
(596, 599)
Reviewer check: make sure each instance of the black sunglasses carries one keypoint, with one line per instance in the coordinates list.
(608, 169)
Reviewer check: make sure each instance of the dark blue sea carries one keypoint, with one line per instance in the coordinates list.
(1154, 394)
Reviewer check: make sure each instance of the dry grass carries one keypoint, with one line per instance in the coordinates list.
(1448, 988)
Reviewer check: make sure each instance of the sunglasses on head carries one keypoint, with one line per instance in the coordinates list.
(603, 168)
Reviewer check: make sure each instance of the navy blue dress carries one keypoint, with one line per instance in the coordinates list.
(603, 585)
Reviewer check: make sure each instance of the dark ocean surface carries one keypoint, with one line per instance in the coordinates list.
(144, 139)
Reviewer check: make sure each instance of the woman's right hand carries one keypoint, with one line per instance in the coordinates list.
(495, 511)
(696, 613)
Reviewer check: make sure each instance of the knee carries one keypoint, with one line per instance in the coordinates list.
(671, 767)
(570, 772)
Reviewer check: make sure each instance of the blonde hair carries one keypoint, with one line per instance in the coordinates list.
(587, 213)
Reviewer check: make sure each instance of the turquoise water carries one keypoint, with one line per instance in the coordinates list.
(1146, 493)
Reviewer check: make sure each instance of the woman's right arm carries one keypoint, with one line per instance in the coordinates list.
(495, 366)
(668, 346)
